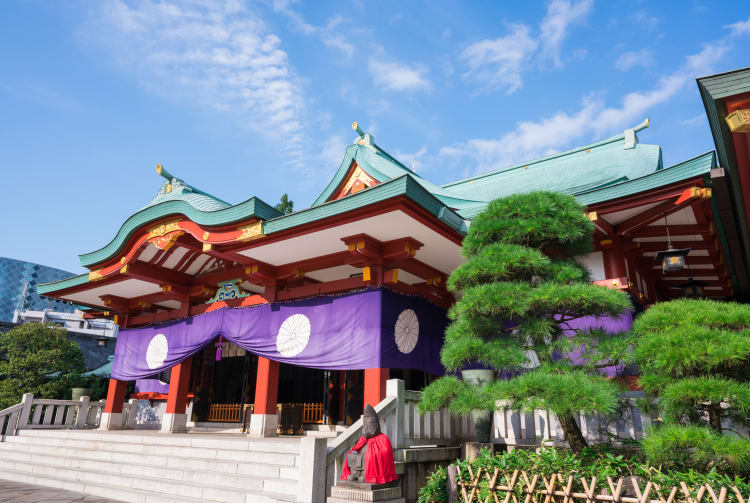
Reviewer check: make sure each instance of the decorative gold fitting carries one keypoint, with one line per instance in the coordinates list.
(124, 269)
(739, 121)
(366, 273)
(158, 169)
(206, 235)
(166, 288)
(207, 247)
(95, 275)
(592, 216)
(123, 259)
(252, 231)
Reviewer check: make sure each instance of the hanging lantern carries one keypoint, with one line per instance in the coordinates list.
(693, 289)
(673, 260)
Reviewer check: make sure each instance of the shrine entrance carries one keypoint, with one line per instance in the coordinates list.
(224, 383)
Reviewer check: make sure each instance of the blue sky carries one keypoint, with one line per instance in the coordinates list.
(243, 99)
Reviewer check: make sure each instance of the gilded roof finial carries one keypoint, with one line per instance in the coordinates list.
(163, 172)
(358, 129)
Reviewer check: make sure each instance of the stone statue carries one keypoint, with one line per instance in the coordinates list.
(371, 459)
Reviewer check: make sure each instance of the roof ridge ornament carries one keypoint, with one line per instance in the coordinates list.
(364, 139)
(631, 138)
(172, 183)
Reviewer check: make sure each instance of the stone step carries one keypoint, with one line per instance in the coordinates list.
(322, 434)
(187, 440)
(263, 478)
(154, 453)
(200, 489)
(130, 495)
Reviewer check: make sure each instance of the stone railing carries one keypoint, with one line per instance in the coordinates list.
(43, 413)
(523, 428)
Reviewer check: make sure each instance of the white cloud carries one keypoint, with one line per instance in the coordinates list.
(412, 159)
(393, 76)
(533, 139)
(561, 14)
(327, 34)
(211, 54)
(498, 63)
(641, 18)
(740, 28)
(629, 59)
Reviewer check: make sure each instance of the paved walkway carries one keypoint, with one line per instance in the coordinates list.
(27, 493)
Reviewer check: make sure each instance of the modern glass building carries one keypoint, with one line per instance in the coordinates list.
(18, 281)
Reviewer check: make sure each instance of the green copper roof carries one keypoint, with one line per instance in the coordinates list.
(383, 167)
(585, 168)
(175, 189)
(691, 168)
(253, 207)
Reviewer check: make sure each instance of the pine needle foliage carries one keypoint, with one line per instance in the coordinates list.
(694, 355)
(518, 291)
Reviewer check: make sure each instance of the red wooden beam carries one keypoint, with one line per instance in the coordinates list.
(674, 230)
(650, 197)
(651, 215)
(159, 275)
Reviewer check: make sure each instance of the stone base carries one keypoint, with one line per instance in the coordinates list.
(111, 421)
(470, 450)
(347, 492)
(263, 425)
(173, 423)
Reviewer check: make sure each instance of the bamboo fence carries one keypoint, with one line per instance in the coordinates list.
(521, 487)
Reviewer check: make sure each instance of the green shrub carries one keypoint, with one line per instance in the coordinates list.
(436, 488)
(600, 462)
(698, 448)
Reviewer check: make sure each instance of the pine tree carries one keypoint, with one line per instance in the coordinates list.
(694, 358)
(285, 205)
(518, 290)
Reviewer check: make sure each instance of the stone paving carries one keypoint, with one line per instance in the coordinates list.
(27, 493)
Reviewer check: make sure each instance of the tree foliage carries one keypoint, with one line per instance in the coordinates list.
(518, 292)
(285, 205)
(38, 359)
(694, 356)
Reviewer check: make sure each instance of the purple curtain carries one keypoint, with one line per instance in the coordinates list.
(369, 329)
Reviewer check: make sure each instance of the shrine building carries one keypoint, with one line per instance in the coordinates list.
(228, 311)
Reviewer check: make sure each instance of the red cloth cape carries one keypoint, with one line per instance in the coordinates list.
(379, 465)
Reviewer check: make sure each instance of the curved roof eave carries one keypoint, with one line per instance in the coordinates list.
(253, 207)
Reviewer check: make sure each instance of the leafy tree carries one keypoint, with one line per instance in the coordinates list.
(30, 355)
(518, 292)
(694, 357)
(285, 205)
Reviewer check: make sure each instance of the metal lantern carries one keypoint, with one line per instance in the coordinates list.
(673, 260)
(693, 289)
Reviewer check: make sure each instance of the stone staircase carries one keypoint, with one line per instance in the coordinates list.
(147, 467)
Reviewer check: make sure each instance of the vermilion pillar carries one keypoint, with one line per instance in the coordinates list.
(614, 261)
(375, 385)
(264, 421)
(112, 415)
(175, 418)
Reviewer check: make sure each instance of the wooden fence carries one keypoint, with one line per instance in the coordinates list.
(485, 486)
(312, 413)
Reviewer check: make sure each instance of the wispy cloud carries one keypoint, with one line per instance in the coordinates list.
(630, 59)
(210, 54)
(498, 63)
(327, 34)
(394, 76)
(561, 14)
(644, 20)
(531, 139)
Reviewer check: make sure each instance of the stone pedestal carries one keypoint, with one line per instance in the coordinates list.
(174, 423)
(470, 450)
(263, 425)
(361, 492)
(111, 421)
